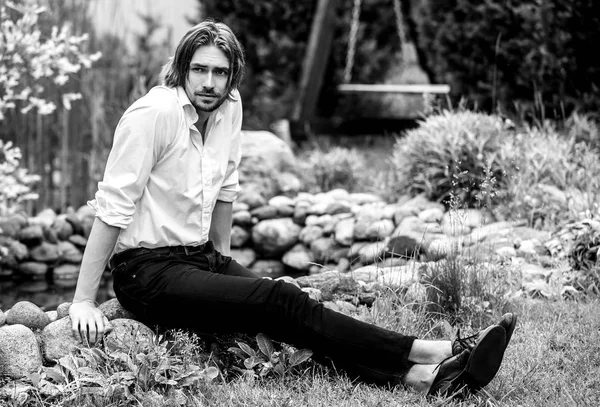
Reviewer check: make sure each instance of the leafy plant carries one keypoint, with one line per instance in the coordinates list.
(336, 167)
(15, 182)
(267, 360)
(453, 154)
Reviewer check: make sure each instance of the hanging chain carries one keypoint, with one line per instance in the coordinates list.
(352, 41)
(399, 22)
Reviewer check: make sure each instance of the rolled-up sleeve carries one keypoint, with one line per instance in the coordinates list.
(140, 137)
(231, 186)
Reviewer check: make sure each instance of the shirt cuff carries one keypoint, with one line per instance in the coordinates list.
(112, 208)
(229, 194)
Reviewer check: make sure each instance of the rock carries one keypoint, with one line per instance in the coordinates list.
(491, 231)
(11, 226)
(69, 253)
(52, 315)
(531, 247)
(27, 314)
(318, 280)
(431, 215)
(45, 252)
(264, 212)
(288, 183)
(300, 214)
(370, 252)
(66, 271)
(268, 268)
(506, 252)
(419, 203)
(298, 257)
(16, 391)
(242, 218)
(280, 200)
(18, 250)
(313, 293)
(130, 335)
(339, 287)
(2, 318)
(33, 269)
(324, 249)
(264, 151)
(273, 237)
(78, 241)
(76, 224)
(112, 309)
(58, 340)
(239, 236)
(337, 207)
(360, 198)
(310, 233)
(240, 207)
(461, 221)
(31, 235)
(244, 256)
(63, 309)
(344, 232)
(379, 230)
(19, 351)
(402, 276)
(443, 247)
(50, 235)
(251, 195)
(406, 245)
(45, 218)
(337, 194)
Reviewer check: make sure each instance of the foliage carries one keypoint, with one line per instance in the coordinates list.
(555, 178)
(125, 374)
(15, 182)
(275, 35)
(533, 56)
(268, 361)
(336, 167)
(453, 155)
(30, 64)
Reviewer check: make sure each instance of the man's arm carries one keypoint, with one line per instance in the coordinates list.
(88, 323)
(220, 227)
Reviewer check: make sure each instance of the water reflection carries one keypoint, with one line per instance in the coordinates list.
(46, 294)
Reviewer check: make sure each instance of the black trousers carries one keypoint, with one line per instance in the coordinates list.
(212, 293)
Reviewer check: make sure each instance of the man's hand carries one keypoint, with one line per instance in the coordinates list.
(89, 324)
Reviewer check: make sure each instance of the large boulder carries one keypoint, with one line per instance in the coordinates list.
(19, 351)
(28, 314)
(58, 340)
(273, 237)
(112, 309)
(130, 334)
(45, 252)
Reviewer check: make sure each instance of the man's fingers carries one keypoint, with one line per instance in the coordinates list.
(100, 326)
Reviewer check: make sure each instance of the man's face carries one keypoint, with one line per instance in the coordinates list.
(206, 84)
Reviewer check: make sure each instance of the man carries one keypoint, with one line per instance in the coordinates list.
(163, 218)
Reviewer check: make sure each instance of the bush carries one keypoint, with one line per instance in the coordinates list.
(15, 182)
(555, 179)
(453, 156)
(337, 167)
(536, 54)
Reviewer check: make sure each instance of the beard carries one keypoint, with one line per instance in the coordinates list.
(208, 101)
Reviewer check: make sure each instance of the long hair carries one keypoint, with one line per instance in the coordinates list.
(208, 32)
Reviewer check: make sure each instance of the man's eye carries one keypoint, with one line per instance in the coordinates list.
(220, 72)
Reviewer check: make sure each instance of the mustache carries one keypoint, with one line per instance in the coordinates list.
(206, 92)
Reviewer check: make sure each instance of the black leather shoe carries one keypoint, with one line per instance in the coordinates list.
(485, 358)
(508, 322)
(450, 379)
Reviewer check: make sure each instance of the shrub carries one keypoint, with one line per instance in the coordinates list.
(555, 178)
(453, 156)
(337, 167)
(15, 182)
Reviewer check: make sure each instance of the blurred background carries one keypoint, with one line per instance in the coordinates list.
(523, 59)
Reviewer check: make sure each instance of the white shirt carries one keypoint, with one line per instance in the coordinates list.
(161, 180)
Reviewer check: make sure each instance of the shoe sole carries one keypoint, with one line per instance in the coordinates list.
(510, 327)
(486, 358)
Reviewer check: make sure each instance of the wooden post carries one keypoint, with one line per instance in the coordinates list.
(65, 175)
(315, 60)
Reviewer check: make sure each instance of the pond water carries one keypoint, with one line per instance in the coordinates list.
(45, 293)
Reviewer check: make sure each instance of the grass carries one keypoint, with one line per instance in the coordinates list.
(553, 360)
